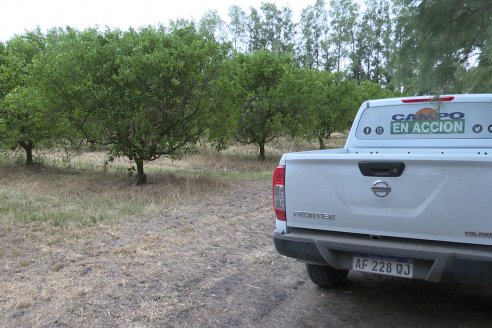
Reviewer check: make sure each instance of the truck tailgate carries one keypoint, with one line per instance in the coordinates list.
(435, 198)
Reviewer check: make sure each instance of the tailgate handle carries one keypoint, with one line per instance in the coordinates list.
(381, 169)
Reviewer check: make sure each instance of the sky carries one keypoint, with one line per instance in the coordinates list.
(17, 16)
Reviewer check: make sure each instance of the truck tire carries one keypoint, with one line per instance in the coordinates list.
(326, 276)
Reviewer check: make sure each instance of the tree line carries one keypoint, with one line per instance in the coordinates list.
(156, 91)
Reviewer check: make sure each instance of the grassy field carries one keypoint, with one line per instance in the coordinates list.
(84, 190)
(81, 188)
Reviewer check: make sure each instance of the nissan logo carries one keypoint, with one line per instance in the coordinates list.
(380, 188)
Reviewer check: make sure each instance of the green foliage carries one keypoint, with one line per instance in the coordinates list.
(445, 46)
(3, 86)
(326, 103)
(372, 90)
(18, 55)
(339, 108)
(222, 121)
(298, 88)
(320, 103)
(74, 75)
(24, 116)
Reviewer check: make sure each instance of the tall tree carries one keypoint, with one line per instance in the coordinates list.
(362, 51)
(380, 40)
(257, 40)
(289, 31)
(374, 43)
(403, 65)
(212, 26)
(271, 29)
(314, 31)
(238, 28)
(343, 16)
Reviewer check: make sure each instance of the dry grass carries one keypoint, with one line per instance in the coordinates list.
(85, 196)
(83, 189)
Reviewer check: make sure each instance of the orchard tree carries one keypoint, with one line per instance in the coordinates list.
(319, 103)
(333, 106)
(163, 94)
(16, 57)
(22, 109)
(144, 94)
(259, 100)
(298, 87)
(222, 122)
(336, 101)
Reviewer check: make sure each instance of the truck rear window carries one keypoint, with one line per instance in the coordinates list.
(426, 120)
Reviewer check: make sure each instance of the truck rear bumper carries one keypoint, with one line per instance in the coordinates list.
(433, 261)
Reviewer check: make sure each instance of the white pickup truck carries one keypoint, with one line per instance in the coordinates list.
(410, 194)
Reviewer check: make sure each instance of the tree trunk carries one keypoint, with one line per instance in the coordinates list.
(28, 146)
(261, 156)
(321, 143)
(141, 176)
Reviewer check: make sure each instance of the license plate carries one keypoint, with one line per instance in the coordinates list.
(390, 266)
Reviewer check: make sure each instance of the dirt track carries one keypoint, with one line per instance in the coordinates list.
(206, 263)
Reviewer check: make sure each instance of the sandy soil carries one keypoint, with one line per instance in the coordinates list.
(207, 263)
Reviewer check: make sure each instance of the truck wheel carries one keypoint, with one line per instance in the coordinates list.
(326, 276)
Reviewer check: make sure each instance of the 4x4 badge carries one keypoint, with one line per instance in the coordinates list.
(381, 188)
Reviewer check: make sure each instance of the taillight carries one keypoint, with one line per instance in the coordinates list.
(278, 187)
(426, 99)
